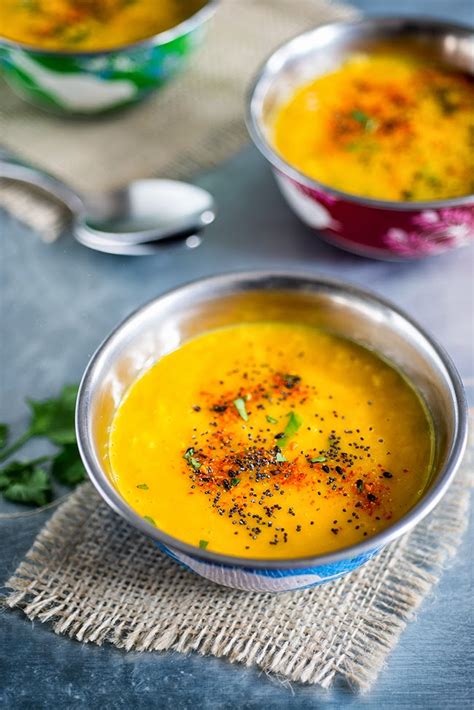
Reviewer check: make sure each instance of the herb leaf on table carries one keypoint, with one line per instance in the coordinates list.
(3, 436)
(54, 418)
(26, 482)
(29, 481)
(67, 466)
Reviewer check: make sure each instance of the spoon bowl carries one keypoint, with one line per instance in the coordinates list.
(142, 218)
(149, 210)
(88, 238)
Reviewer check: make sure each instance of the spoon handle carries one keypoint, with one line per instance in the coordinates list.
(17, 170)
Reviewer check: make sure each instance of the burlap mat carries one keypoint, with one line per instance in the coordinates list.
(97, 580)
(194, 123)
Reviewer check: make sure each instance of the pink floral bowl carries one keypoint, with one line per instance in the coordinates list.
(374, 228)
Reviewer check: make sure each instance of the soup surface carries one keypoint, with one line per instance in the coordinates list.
(271, 440)
(385, 126)
(90, 24)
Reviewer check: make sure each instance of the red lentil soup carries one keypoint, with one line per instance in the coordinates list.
(271, 440)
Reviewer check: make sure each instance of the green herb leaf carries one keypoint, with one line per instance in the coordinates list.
(368, 123)
(67, 466)
(54, 418)
(294, 423)
(271, 420)
(3, 435)
(27, 482)
(319, 459)
(143, 486)
(239, 404)
(234, 481)
(149, 520)
(360, 116)
(203, 544)
(360, 485)
(279, 457)
(191, 459)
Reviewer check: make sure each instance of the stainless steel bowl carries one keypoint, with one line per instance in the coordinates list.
(162, 325)
(376, 228)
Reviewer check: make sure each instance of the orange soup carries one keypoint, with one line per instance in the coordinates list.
(386, 126)
(271, 440)
(90, 24)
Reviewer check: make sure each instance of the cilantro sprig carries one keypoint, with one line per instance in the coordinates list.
(30, 481)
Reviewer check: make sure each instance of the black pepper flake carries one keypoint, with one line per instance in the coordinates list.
(387, 474)
(291, 380)
(219, 408)
(360, 485)
(371, 497)
(334, 531)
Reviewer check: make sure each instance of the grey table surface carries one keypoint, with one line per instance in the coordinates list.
(58, 301)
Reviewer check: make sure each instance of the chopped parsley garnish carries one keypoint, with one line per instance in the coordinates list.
(234, 481)
(293, 424)
(271, 420)
(319, 459)
(203, 544)
(239, 404)
(368, 124)
(143, 486)
(191, 459)
(279, 457)
(360, 485)
(149, 519)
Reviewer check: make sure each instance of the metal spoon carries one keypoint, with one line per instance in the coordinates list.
(87, 238)
(142, 218)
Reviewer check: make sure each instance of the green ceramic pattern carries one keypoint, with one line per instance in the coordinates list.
(89, 84)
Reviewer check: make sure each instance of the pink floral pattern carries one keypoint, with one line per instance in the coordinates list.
(433, 232)
(380, 231)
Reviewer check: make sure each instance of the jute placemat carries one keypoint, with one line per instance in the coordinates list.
(97, 580)
(193, 124)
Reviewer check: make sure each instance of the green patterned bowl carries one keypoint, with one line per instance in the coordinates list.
(86, 83)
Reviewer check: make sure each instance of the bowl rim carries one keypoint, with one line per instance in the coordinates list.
(257, 278)
(253, 120)
(182, 28)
